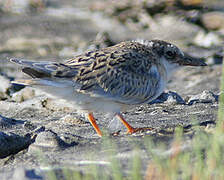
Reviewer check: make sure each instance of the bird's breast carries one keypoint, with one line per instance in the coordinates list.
(157, 82)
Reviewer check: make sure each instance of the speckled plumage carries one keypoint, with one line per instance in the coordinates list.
(131, 72)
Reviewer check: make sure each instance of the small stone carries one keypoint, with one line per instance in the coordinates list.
(207, 39)
(3, 96)
(4, 86)
(174, 98)
(69, 119)
(24, 94)
(213, 20)
(45, 141)
(205, 97)
(217, 58)
(29, 126)
(170, 98)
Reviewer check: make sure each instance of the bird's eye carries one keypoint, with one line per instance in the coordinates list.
(170, 54)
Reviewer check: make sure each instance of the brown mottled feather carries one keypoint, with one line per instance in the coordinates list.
(124, 64)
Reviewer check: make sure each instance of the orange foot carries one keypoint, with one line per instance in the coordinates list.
(131, 130)
(134, 130)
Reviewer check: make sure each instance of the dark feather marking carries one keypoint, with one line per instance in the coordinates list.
(99, 55)
(121, 60)
(99, 66)
(103, 59)
(84, 59)
(94, 65)
(34, 73)
(86, 86)
(89, 53)
(88, 78)
(85, 72)
(112, 56)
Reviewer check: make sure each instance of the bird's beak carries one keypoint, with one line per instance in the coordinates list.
(187, 60)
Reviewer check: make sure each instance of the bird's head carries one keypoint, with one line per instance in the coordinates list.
(173, 55)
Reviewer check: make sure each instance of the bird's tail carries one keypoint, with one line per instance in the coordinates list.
(44, 82)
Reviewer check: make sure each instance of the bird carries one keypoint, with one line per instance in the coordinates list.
(110, 79)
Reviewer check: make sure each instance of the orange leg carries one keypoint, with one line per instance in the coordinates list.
(92, 120)
(128, 126)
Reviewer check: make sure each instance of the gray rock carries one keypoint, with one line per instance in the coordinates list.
(29, 126)
(4, 86)
(46, 141)
(23, 95)
(204, 97)
(207, 40)
(217, 58)
(170, 98)
(70, 119)
(11, 143)
(3, 96)
(213, 20)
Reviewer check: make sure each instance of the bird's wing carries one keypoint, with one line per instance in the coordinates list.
(119, 72)
(45, 69)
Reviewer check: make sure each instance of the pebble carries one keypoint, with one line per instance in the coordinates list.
(46, 141)
(213, 20)
(4, 86)
(29, 126)
(207, 40)
(170, 98)
(217, 58)
(3, 96)
(23, 95)
(204, 97)
(69, 119)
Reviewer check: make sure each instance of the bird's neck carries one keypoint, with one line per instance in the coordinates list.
(168, 68)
